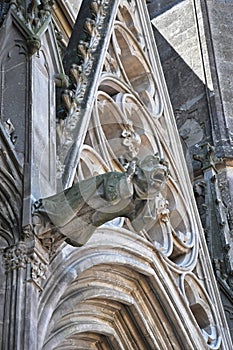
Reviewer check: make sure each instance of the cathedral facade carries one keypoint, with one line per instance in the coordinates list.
(115, 191)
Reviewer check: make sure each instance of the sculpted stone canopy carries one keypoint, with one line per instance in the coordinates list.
(80, 209)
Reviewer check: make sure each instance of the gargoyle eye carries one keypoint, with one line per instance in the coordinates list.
(157, 175)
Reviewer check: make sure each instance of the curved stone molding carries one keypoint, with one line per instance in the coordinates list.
(202, 309)
(131, 60)
(129, 286)
(102, 290)
(115, 130)
(90, 164)
(76, 95)
(173, 232)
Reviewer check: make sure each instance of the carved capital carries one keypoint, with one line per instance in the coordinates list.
(16, 257)
(20, 256)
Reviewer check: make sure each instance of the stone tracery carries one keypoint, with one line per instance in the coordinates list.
(128, 119)
(123, 126)
(92, 295)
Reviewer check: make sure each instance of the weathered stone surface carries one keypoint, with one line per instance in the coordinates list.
(129, 287)
(196, 52)
(134, 194)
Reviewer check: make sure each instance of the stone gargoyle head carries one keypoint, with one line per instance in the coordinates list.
(150, 176)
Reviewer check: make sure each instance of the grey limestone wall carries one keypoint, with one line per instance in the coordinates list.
(195, 42)
(179, 38)
(218, 21)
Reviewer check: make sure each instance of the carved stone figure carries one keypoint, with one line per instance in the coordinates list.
(79, 210)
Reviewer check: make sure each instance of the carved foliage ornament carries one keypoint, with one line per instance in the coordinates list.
(38, 269)
(85, 62)
(16, 257)
(19, 256)
(173, 230)
(33, 16)
(127, 58)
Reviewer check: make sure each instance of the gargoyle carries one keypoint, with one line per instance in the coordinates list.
(79, 210)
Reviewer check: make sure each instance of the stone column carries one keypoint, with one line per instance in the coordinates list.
(29, 62)
(25, 270)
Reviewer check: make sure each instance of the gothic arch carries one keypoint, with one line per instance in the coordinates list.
(131, 117)
(110, 295)
(139, 284)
